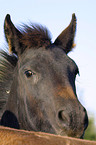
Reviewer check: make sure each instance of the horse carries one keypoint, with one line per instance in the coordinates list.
(37, 81)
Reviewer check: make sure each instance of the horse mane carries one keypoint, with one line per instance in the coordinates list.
(7, 65)
(33, 36)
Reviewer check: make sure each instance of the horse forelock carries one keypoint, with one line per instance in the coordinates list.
(35, 36)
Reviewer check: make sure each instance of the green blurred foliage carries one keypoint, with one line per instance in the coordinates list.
(90, 133)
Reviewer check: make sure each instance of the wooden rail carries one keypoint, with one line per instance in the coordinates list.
(10, 136)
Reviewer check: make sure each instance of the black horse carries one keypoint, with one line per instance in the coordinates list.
(37, 81)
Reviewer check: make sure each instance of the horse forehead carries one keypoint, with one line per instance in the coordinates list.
(53, 56)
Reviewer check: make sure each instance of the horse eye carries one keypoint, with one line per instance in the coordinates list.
(28, 73)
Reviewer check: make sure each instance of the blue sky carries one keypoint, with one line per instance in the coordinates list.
(56, 15)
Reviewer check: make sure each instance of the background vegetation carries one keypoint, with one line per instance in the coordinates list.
(90, 133)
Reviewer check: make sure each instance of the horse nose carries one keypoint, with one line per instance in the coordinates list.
(71, 119)
(85, 120)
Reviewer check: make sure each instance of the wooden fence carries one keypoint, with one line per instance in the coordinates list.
(10, 136)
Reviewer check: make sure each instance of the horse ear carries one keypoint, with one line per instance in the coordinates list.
(66, 38)
(13, 36)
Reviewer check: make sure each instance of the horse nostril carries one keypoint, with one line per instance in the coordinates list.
(63, 117)
(60, 115)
